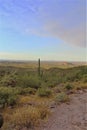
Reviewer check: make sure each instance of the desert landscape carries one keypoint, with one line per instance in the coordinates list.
(43, 65)
(43, 98)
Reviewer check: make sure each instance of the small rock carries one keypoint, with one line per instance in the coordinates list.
(52, 105)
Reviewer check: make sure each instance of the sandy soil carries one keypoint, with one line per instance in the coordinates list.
(72, 116)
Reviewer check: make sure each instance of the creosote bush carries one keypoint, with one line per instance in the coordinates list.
(28, 81)
(43, 92)
(61, 98)
(69, 87)
(12, 100)
(7, 96)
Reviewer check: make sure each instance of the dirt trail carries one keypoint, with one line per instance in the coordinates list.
(71, 116)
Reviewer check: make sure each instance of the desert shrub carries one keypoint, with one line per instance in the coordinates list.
(61, 97)
(3, 96)
(68, 87)
(7, 96)
(85, 78)
(12, 100)
(52, 83)
(28, 81)
(44, 92)
(23, 77)
(8, 80)
(26, 91)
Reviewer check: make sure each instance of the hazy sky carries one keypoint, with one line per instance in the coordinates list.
(46, 29)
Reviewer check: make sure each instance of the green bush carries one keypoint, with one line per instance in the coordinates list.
(7, 96)
(8, 80)
(28, 81)
(12, 100)
(44, 92)
(69, 87)
(61, 97)
(23, 77)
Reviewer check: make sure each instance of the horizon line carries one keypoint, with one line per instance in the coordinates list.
(19, 60)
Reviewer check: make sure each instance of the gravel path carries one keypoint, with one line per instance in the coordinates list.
(72, 116)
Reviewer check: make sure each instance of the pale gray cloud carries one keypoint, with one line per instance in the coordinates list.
(75, 35)
(65, 21)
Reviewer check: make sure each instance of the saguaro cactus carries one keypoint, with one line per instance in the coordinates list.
(39, 67)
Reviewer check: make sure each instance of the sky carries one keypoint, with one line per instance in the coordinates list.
(45, 29)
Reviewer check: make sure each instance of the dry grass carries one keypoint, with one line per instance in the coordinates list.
(25, 117)
(31, 109)
(35, 99)
(79, 85)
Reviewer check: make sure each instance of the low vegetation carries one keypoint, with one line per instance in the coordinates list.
(61, 98)
(44, 92)
(25, 117)
(7, 96)
(25, 96)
